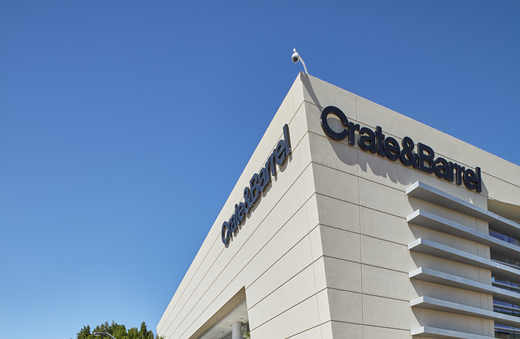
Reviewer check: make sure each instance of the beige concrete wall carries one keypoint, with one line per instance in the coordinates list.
(362, 209)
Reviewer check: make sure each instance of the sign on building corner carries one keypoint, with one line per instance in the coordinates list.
(258, 183)
(423, 160)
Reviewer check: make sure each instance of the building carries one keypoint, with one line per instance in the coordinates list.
(353, 221)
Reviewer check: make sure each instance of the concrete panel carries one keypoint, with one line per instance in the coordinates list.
(346, 331)
(482, 226)
(387, 283)
(342, 275)
(389, 313)
(336, 184)
(385, 226)
(386, 254)
(345, 306)
(333, 154)
(481, 200)
(337, 213)
(488, 327)
(289, 265)
(485, 276)
(292, 292)
(483, 251)
(340, 244)
(383, 198)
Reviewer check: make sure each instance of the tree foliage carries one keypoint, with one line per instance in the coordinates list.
(118, 331)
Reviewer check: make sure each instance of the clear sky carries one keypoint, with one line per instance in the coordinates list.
(124, 126)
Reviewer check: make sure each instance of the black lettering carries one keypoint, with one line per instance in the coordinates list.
(392, 148)
(270, 164)
(280, 153)
(232, 224)
(267, 174)
(325, 124)
(262, 179)
(352, 128)
(451, 169)
(224, 233)
(407, 155)
(380, 137)
(470, 179)
(367, 140)
(441, 168)
(459, 169)
(479, 179)
(241, 212)
(247, 199)
(235, 216)
(426, 156)
(254, 188)
(287, 140)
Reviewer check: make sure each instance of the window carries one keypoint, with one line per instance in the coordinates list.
(506, 332)
(503, 237)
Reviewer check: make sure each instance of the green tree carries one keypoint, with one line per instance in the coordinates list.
(118, 331)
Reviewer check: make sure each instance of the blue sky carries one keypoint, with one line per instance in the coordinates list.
(125, 124)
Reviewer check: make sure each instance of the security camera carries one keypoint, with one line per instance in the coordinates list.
(296, 57)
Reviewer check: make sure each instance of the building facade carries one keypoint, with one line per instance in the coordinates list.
(353, 221)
